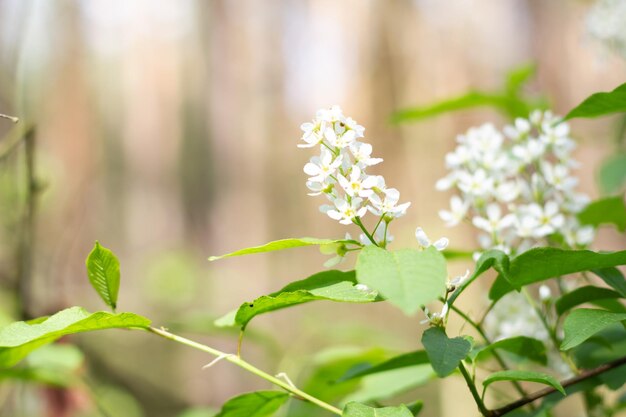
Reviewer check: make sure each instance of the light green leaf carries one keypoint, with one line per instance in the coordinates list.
(418, 357)
(328, 285)
(408, 278)
(517, 77)
(254, 404)
(614, 278)
(103, 269)
(18, 339)
(390, 384)
(612, 174)
(583, 323)
(524, 376)
(583, 295)
(522, 346)
(444, 353)
(286, 244)
(355, 409)
(600, 104)
(606, 211)
(540, 264)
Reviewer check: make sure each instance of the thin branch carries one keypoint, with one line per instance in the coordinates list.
(565, 383)
(11, 118)
(472, 387)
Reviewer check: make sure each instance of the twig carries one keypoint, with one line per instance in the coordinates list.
(565, 383)
(11, 118)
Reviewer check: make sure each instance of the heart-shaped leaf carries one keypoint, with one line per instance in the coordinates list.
(444, 353)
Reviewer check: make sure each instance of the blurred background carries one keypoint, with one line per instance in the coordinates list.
(167, 130)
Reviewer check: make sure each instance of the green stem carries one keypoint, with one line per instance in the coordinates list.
(470, 384)
(358, 222)
(378, 224)
(247, 366)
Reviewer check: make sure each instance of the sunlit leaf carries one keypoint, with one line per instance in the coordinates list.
(285, 244)
(103, 269)
(600, 104)
(18, 339)
(254, 404)
(407, 278)
(583, 323)
(444, 353)
(355, 409)
(524, 376)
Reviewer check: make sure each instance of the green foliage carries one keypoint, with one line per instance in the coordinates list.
(495, 259)
(18, 339)
(355, 409)
(418, 357)
(539, 264)
(522, 346)
(509, 100)
(614, 278)
(524, 376)
(254, 404)
(389, 384)
(408, 278)
(288, 244)
(612, 174)
(583, 295)
(328, 285)
(583, 323)
(606, 346)
(606, 211)
(600, 104)
(103, 269)
(444, 353)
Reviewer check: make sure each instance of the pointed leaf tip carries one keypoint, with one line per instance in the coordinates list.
(103, 270)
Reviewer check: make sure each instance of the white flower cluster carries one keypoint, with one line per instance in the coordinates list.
(339, 172)
(516, 185)
(606, 22)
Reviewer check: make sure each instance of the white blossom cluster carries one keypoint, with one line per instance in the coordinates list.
(606, 22)
(339, 172)
(516, 186)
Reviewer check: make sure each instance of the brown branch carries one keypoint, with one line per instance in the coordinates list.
(565, 383)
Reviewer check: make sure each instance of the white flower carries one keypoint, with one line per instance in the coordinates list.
(435, 318)
(346, 212)
(341, 140)
(458, 210)
(312, 133)
(323, 166)
(424, 242)
(545, 293)
(549, 218)
(388, 205)
(494, 223)
(458, 280)
(362, 154)
(358, 184)
(476, 184)
(558, 176)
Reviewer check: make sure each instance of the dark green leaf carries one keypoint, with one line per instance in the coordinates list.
(328, 285)
(606, 211)
(583, 295)
(524, 376)
(254, 404)
(614, 278)
(415, 407)
(522, 346)
(540, 264)
(286, 244)
(491, 258)
(408, 278)
(418, 357)
(18, 339)
(583, 323)
(444, 353)
(612, 174)
(600, 104)
(103, 270)
(355, 409)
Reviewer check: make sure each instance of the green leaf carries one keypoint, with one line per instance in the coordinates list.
(415, 407)
(522, 346)
(614, 278)
(18, 339)
(491, 258)
(517, 77)
(408, 278)
(355, 409)
(540, 264)
(606, 211)
(254, 404)
(103, 270)
(328, 285)
(583, 295)
(612, 174)
(524, 376)
(418, 357)
(600, 104)
(444, 353)
(390, 384)
(583, 323)
(286, 244)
